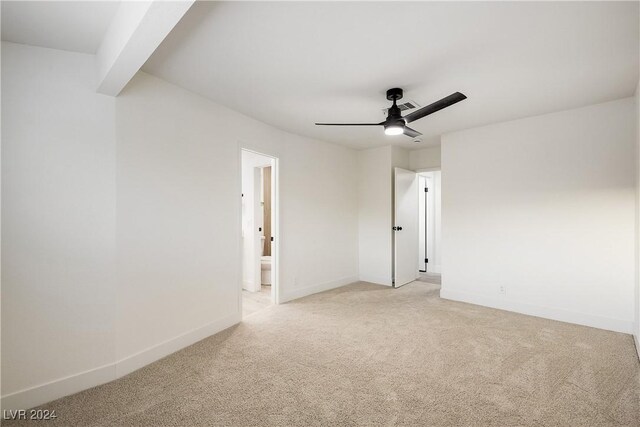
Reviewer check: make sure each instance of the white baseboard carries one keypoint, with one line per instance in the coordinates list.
(43, 393)
(377, 280)
(143, 358)
(56, 389)
(250, 286)
(600, 322)
(314, 289)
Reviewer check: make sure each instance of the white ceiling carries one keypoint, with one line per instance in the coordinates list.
(66, 25)
(292, 64)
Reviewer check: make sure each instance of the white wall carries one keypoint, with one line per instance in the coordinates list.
(546, 207)
(637, 294)
(179, 212)
(58, 219)
(167, 209)
(427, 158)
(375, 215)
(400, 157)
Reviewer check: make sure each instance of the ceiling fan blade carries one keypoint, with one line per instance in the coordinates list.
(411, 132)
(436, 106)
(348, 124)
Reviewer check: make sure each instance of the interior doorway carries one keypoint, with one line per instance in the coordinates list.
(259, 232)
(416, 226)
(429, 226)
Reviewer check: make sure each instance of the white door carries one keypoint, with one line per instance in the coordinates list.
(405, 227)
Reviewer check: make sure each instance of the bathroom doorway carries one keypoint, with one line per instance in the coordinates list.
(259, 231)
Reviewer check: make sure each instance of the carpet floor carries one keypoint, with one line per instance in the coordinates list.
(255, 301)
(433, 278)
(371, 355)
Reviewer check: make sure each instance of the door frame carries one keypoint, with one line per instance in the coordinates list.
(275, 225)
(423, 221)
(427, 221)
(437, 247)
(434, 169)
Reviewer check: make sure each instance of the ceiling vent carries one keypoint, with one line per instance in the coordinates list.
(407, 105)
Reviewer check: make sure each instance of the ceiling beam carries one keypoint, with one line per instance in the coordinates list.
(136, 30)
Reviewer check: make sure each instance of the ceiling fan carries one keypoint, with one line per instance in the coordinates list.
(395, 124)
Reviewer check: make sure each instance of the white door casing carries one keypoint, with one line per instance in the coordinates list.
(257, 230)
(431, 224)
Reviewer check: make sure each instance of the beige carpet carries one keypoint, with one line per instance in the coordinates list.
(372, 355)
(433, 278)
(255, 301)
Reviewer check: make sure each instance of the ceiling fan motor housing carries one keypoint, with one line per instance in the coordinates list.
(394, 116)
(394, 94)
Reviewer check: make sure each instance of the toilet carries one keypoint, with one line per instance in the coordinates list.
(265, 266)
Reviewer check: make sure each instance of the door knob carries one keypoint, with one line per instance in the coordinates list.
(397, 228)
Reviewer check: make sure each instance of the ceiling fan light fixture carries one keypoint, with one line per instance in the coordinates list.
(394, 130)
(396, 123)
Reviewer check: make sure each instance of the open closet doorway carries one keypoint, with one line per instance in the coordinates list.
(259, 232)
(429, 214)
